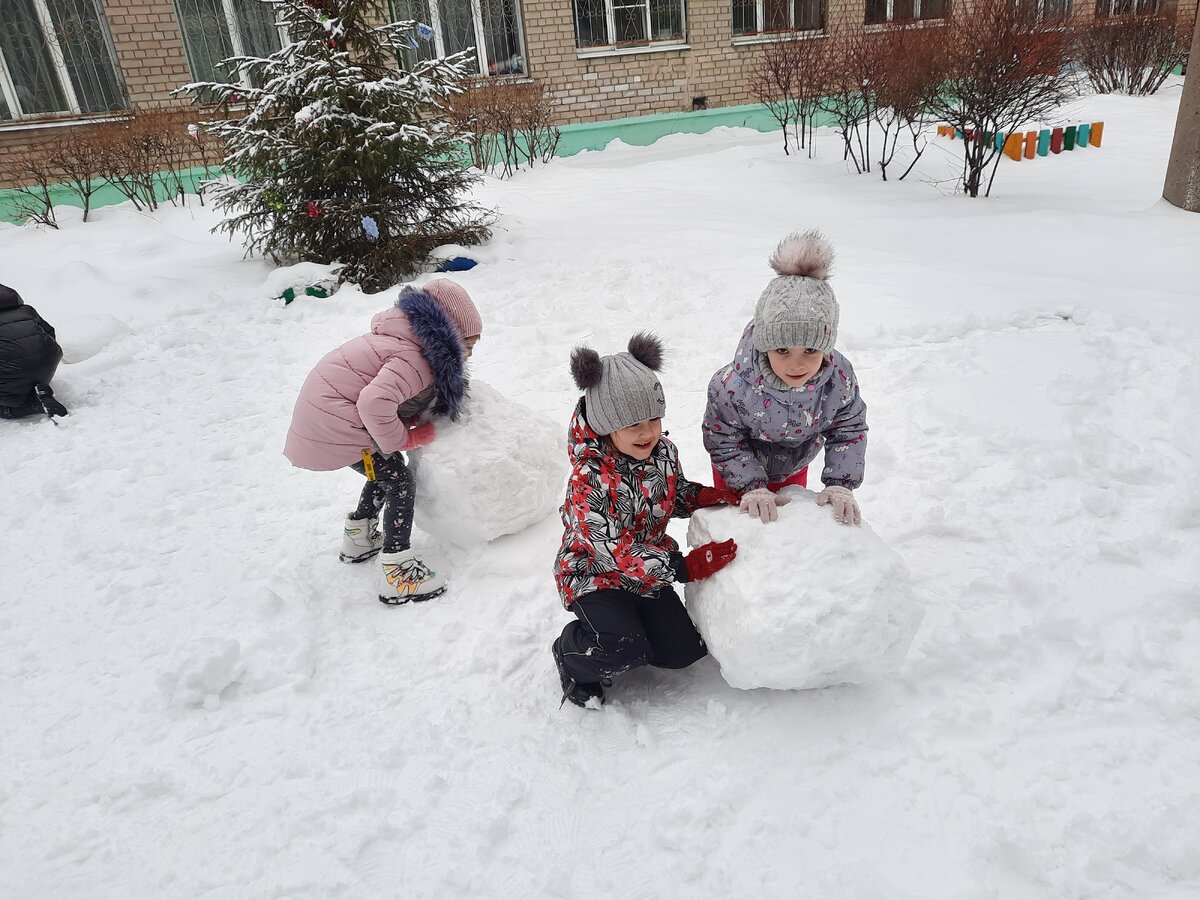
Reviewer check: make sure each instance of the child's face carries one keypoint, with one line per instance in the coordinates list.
(794, 366)
(469, 344)
(638, 440)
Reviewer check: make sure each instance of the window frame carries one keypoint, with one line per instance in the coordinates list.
(480, 42)
(760, 34)
(917, 16)
(622, 47)
(237, 41)
(1056, 19)
(1107, 9)
(58, 59)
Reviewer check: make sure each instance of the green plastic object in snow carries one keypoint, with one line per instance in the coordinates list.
(313, 290)
(1069, 137)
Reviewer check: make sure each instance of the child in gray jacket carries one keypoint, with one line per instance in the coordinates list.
(787, 393)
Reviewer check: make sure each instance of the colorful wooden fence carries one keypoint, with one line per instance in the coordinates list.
(1028, 144)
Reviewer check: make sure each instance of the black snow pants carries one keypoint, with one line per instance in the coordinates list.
(616, 631)
(391, 496)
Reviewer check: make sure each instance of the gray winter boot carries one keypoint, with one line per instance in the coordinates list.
(361, 539)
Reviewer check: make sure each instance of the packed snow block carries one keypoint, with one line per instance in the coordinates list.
(496, 471)
(807, 603)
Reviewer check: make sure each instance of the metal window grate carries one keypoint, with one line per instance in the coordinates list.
(56, 56)
(777, 16)
(600, 23)
(214, 30)
(492, 28)
(205, 37)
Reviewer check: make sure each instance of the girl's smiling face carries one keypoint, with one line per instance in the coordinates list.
(795, 366)
(638, 440)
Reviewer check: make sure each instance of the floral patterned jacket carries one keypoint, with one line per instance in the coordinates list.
(757, 433)
(615, 516)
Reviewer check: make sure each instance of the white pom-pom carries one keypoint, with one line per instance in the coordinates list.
(807, 254)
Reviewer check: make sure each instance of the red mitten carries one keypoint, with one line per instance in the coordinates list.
(711, 496)
(420, 435)
(709, 558)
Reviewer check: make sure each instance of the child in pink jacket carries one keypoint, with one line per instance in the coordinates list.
(371, 399)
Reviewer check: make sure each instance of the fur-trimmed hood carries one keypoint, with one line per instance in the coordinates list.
(442, 348)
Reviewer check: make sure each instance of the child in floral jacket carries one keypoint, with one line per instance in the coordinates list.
(616, 564)
(788, 393)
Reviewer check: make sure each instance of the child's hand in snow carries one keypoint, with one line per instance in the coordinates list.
(762, 503)
(711, 496)
(420, 435)
(845, 507)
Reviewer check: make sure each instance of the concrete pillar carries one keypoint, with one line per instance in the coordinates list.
(1182, 187)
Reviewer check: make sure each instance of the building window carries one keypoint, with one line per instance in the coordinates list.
(56, 57)
(622, 23)
(882, 11)
(1050, 11)
(214, 30)
(1107, 8)
(774, 16)
(492, 28)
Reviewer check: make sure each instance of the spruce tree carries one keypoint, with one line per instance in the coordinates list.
(340, 155)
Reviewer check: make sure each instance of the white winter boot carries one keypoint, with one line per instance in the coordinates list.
(361, 539)
(405, 578)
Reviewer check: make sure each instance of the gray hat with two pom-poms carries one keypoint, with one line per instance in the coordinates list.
(798, 308)
(622, 389)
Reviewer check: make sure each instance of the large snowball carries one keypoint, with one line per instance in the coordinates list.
(496, 471)
(807, 603)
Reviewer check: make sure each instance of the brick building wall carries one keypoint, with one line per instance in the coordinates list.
(588, 85)
(152, 63)
(594, 87)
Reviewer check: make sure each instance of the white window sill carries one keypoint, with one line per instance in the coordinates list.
(743, 40)
(661, 47)
(910, 23)
(65, 121)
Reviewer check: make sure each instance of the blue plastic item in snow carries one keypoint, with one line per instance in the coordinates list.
(457, 264)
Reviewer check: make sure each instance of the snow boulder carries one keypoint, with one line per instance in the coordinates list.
(808, 603)
(497, 470)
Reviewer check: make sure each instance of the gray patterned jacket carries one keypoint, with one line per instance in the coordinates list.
(758, 433)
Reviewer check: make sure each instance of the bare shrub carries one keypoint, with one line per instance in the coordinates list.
(851, 78)
(1002, 70)
(34, 177)
(1132, 54)
(908, 74)
(508, 124)
(786, 77)
(74, 157)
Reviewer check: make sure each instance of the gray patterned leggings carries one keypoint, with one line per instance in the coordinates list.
(390, 497)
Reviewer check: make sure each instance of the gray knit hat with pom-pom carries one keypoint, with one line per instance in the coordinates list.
(798, 308)
(622, 389)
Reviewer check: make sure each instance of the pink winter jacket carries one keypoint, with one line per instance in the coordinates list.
(350, 400)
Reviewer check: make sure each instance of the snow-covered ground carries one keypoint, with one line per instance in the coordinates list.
(197, 700)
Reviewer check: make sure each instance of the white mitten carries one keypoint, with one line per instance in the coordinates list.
(762, 503)
(845, 507)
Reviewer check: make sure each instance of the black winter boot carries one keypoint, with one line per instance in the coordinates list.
(579, 694)
(28, 408)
